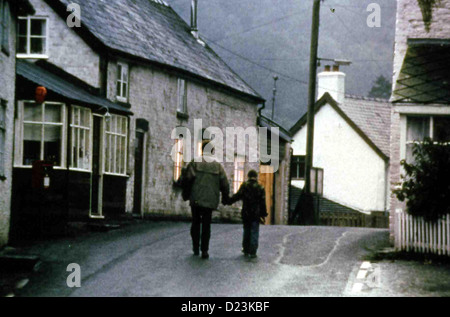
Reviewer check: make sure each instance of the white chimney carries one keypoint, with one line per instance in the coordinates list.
(333, 82)
(194, 10)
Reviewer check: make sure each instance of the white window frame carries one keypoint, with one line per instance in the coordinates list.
(115, 138)
(182, 96)
(29, 36)
(179, 156)
(19, 133)
(123, 97)
(3, 130)
(75, 132)
(239, 167)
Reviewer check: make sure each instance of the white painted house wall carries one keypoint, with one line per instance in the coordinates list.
(354, 174)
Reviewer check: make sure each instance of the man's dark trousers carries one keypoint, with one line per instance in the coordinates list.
(201, 223)
(251, 237)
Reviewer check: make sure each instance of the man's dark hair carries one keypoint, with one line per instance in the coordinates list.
(252, 174)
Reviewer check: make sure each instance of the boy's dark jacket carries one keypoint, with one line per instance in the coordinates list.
(253, 197)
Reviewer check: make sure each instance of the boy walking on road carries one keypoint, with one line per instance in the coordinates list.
(253, 211)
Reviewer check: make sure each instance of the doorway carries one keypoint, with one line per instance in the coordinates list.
(266, 178)
(138, 172)
(97, 168)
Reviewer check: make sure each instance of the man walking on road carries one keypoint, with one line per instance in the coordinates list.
(202, 184)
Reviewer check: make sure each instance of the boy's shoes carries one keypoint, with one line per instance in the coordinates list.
(205, 255)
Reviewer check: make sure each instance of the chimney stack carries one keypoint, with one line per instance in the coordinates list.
(333, 82)
(194, 10)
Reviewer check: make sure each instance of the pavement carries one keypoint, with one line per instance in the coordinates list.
(154, 259)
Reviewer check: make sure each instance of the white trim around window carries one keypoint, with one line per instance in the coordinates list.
(29, 37)
(81, 137)
(116, 145)
(182, 96)
(39, 124)
(122, 82)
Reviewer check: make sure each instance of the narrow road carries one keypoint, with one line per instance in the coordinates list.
(155, 259)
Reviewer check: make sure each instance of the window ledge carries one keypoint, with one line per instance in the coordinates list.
(122, 100)
(32, 56)
(182, 115)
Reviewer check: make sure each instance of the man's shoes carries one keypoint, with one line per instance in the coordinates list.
(252, 256)
(205, 255)
(245, 252)
(196, 252)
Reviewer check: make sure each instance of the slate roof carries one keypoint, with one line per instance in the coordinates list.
(373, 116)
(268, 123)
(370, 117)
(63, 87)
(153, 31)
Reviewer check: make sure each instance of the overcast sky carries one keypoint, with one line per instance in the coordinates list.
(262, 38)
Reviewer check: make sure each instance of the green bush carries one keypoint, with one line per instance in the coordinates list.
(426, 185)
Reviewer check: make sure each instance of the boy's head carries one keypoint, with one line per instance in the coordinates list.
(252, 174)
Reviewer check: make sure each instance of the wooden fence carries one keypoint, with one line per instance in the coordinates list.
(414, 234)
(354, 219)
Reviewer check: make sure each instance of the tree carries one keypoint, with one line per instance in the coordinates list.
(381, 88)
(426, 186)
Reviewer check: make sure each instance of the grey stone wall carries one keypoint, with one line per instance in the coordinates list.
(7, 89)
(66, 49)
(153, 96)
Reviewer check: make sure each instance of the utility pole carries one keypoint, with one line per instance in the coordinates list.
(312, 95)
(305, 209)
(275, 78)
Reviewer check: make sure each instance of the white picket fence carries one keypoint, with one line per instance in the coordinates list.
(417, 235)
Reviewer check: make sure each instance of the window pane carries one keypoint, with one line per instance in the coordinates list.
(418, 128)
(118, 154)
(53, 113)
(441, 129)
(124, 90)
(52, 144)
(124, 126)
(37, 46)
(85, 118)
(107, 153)
(38, 27)
(31, 143)
(409, 153)
(32, 112)
(181, 95)
(124, 74)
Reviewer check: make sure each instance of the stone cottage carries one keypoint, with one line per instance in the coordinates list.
(132, 72)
